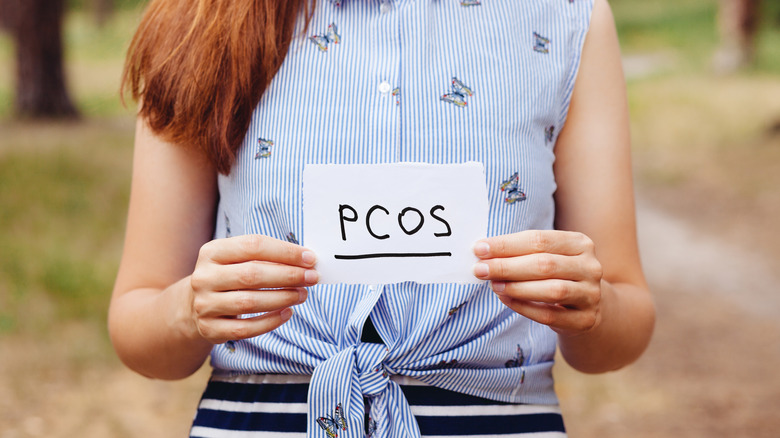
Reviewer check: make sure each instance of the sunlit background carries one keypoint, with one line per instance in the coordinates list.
(706, 139)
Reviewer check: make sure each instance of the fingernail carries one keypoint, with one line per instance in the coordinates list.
(481, 270)
(286, 314)
(498, 286)
(302, 295)
(309, 258)
(481, 249)
(311, 276)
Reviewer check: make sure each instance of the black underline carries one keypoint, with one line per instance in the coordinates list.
(392, 254)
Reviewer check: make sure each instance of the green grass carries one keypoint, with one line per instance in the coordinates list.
(684, 26)
(688, 29)
(6, 75)
(64, 187)
(64, 191)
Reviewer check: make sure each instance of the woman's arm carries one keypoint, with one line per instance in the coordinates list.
(584, 280)
(177, 293)
(595, 196)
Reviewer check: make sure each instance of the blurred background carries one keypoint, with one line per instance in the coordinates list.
(704, 88)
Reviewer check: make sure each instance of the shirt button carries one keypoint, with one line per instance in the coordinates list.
(385, 7)
(385, 87)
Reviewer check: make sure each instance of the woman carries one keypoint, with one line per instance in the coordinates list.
(237, 96)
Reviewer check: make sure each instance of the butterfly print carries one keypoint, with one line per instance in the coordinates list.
(264, 148)
(397, 94)
(447, 364)
(331, 36)
(458, 93)
(549, 133)
(512, 188)
(331, 424)
(454, 310)
(541, 44)
(518, 361)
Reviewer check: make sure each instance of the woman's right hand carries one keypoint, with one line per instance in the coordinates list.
(245, 275)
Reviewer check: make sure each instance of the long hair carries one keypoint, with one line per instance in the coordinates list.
(199, 68)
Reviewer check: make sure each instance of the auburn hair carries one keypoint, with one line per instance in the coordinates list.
(199, 68)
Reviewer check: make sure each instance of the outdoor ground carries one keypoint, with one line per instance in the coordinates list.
(707, 161)
(711, 370)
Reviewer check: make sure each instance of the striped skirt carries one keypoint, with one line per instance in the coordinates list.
(275, 406)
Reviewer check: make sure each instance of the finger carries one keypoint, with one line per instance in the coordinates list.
(257, 247)
(570, 294)
(236, 303)
(252, 275)
(559, 318)
(534, 267)
(221, 330)
(533, 242)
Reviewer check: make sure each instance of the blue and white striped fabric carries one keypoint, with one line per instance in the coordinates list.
(443, 81)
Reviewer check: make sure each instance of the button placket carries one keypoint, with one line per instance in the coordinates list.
(387, 74)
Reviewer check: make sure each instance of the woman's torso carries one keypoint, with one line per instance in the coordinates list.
(412, 81)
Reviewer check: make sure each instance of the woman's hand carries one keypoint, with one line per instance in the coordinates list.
(551, 277)
(246, 275)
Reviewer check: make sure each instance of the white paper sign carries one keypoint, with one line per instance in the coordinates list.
(389, 223)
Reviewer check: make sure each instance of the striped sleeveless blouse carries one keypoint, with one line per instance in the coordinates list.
(435, 81)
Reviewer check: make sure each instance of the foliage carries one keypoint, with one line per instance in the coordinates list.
(687, 25)
(82, 5)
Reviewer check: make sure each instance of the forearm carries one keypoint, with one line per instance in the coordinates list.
(153, 335)
(626, 325)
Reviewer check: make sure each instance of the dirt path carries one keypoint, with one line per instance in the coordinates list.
(711, 369)
(678, 256)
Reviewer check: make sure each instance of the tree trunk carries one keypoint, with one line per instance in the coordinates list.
(7, 14)
(40, 89)
(738, 22)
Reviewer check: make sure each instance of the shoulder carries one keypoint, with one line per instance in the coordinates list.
(602, 22)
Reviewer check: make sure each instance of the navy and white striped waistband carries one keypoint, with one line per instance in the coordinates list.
(270, 405)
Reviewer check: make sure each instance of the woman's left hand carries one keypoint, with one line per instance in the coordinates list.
(549, 276)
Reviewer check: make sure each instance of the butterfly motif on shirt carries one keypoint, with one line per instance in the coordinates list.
(264, 148)
(512, 188)
(397, 94)
(331, 424)
(455, 309)
(549, 133)
(370, 423)
(541, 44)
(331, 36)
(447, 364)
(370, 427)
(518, 361)
(458, 93)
